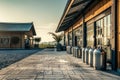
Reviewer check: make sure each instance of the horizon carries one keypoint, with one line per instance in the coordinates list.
(45, 14)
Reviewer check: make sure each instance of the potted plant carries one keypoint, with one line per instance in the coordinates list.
(57, 38)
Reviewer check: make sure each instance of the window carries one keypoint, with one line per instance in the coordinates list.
(107, 25)
(99, 32)
(67, 39)
(76, 36)
(81, 36)
(70, 38)
(4, 42)
(90, 34)
(103, 30)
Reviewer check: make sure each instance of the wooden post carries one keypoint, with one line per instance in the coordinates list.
(113, 34)
(117, 25)
(64, 38)
(72, 37)
(94, 35)
(68, 36)
(84, 32)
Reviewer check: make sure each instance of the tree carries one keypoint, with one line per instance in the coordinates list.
(37, 40)
(57, 38)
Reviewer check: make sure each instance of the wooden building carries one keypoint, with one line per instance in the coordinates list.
(93, 23)
(9, 31)
(117, 24)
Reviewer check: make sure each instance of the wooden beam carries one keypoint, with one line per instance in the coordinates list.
(81, 2)
(98, 11)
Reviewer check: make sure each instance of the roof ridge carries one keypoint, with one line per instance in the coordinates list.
(16, 22)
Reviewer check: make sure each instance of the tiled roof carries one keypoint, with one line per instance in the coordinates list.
(73, 10)
(23, 27)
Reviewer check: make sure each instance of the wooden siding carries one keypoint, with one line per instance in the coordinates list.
(9, 35)
(94, 12)
(102, 6)
(118, 34)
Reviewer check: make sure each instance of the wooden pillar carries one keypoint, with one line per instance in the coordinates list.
(72, 37)
(22, 40)
(31, 39)
(113, 35)
(68, 36)
(117, 8)
(94, 37)
(84, 36)
(64, 39)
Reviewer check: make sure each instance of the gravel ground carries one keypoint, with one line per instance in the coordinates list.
(8, 57)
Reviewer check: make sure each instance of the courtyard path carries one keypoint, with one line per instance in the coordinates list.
(51, 65)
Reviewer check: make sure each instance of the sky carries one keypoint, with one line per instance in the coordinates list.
(45, 14)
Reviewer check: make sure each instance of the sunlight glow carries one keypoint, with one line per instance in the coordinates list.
(62, 61)
(45, 14)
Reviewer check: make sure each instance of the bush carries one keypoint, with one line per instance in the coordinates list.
(43, 45)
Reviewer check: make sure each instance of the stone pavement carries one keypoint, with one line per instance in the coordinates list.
(51, 65)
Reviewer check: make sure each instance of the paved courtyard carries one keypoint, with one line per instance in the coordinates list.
(51, 65)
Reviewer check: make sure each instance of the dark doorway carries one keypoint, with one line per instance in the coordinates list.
(75, 40)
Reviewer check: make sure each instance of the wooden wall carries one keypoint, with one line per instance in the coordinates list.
(11, 34)
(92, 13)
(118, 33)
(99, 8)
